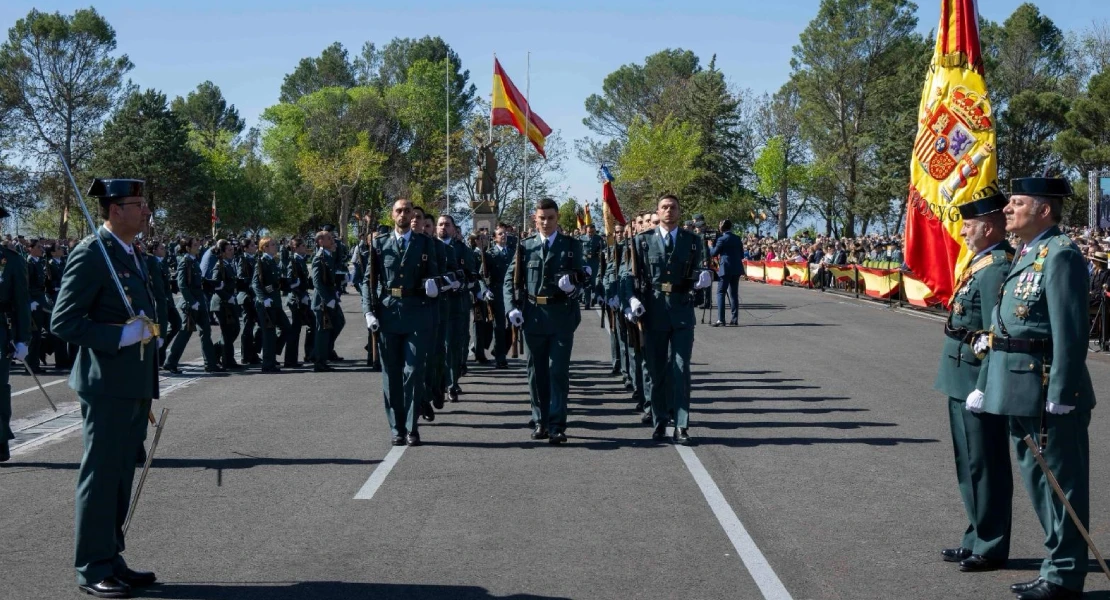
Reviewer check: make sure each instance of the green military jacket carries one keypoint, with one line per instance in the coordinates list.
(244, 274)
(54, 268)
(464, 264)
(323, 279)
(615, 261)
(36, 281)
(190, 282)
(1042, 298)
(497, 263)
(547, 309)
(592, 247)
(158, 288)
(961, 371)
(90, 314)
(665, 284)
(397, 296)
(15, 302)
(267, 280)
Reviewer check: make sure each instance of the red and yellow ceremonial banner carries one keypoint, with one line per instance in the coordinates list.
(511, 108)
(954, 155)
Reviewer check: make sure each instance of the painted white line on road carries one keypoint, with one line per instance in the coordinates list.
(380, 473)
(36, 388)
(769, 583)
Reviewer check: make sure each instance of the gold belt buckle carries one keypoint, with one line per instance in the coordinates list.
(667, 287)
(541, 300)
(396, 292)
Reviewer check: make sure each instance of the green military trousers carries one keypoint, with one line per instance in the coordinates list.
(456, 347)
(1068, 456)
(274, 336)
(113, 431)
(403, 359)
(667, 375)
(203, 326)
(986, 481)
(549, 377)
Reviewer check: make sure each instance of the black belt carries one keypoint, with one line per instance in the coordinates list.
(671, 288)
(962, 334)
(1009, 344)
(405, 292)
(542, 300)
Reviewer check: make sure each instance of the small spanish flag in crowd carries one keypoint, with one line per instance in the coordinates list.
(511, 108)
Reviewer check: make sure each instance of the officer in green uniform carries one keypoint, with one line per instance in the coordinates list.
(458, 322)
(980, 440)
(663, 272)
(592, 247)
(15, 304)
(325, 302)
(53, 255)
(249, 336)
(267, 304)
(40, 309)
(436, 376)
(1037, 376)
(194, 310)
(169, 282)
(163, 300)
(224, 305)
(115, 376)
(497, 262)
(299, 301)
(401, 304)
(547, 311)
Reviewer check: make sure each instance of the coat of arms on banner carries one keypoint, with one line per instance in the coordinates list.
(952, 140)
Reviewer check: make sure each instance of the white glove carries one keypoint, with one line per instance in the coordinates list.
(34, 305)
(267, 302)
(487, 296)
(1058, 409)
(296, 284)
(975, 401)
(565, 284)
(20, 351)
(134, 332)
(589, 271)
(195, 306)
(306, 301)
(160, 342)
(628, 315)
(516, 317)
(372, 322)
(981, 344)
(637, 307)
(431, 290)
(704, 280)
(220, 287)
(233, 300)
(614, 303)
(330, 304)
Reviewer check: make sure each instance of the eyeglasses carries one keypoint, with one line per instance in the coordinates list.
(141, 203)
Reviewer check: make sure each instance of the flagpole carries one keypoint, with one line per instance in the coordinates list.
(447, 190)
(524, 147)
(213, 214)
(491, 108)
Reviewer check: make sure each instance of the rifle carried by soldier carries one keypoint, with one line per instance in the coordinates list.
(519, 297)
(640, 283)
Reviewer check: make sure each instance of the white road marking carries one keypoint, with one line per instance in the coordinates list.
(35, 388)
(769, 583)
(380, 473)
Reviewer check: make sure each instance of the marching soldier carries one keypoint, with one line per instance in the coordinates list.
(980, 440)
(359, 262)
(1037, 377)
(267, 297)
(613, 254)
(163, 300)
(401, 304)
(461, 263)
(249, 335)
(15, 304)
(547, 311)
(40, 313)
(194, 310)
(222, 281)
(299, 301)
(436, 376)
(115, 376)
(53, 255)
(498, 265)
(325, 302)
(592, 247)
(663, 271)
(481, 326)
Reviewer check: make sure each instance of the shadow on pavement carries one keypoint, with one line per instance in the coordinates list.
(326, 590)
(247, 462)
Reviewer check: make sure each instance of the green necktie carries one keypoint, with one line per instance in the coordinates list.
(668, 243)
(401, 244)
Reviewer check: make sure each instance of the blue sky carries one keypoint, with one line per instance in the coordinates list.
(247, 46)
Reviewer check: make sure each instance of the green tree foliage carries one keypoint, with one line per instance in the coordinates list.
(568, 215)
(144, 139)
(331, 69)
(400, 55)
(661, 159)
(59, 78)
(209, 114)
(1085, 144)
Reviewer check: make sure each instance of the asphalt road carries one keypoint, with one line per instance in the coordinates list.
(815, 421)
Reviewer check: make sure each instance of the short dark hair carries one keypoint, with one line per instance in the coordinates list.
(547, 203)
(666, 197)
(419, 208)
(447, 216)
(726, 225)
(183, 245)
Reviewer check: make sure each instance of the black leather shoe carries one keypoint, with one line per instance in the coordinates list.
(955, 554)
(427, 412)
(1046, 590)
(271, 370)
(628, 386)
(398, 440)
(287, 365)
(335, 357)
(322, 369)
(557, 438)
(239, 367)
(681, 436)
(109, 588)
(978, 562)
(437, 398)
(137, 579)
(531, 423)
(1018, 588)
(540, 434)
(5, 454)
(660, 433)
(413, 439)
(501, 364)
(615, 371)
(645, 418)
(717, 324)
(733, 324)
(173, 370)
(215, 369)
(454, 394)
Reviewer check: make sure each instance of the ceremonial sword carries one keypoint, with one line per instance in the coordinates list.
(37, 382)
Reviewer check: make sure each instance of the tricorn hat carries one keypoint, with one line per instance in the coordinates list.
(116, 189)
(983, 206)
(1051, 187)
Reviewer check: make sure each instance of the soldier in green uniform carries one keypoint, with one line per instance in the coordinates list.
(547, 311)
(325, 302)
(659, 281)
(1037, 376)
(163, 300)
(461, 265)
(15, 304)
(299, 301)
(497, 263)
(249, 335)
(169, 283)
(980, 440)
(40, 309)
(267, 303)
(436, 376)
(223, 305)
(194, 310)
(115, 376)
(592, 247)
(401, 304)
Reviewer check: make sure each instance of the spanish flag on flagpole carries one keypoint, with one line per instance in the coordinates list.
(587, 220)
(954, 159)
(511, 108)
